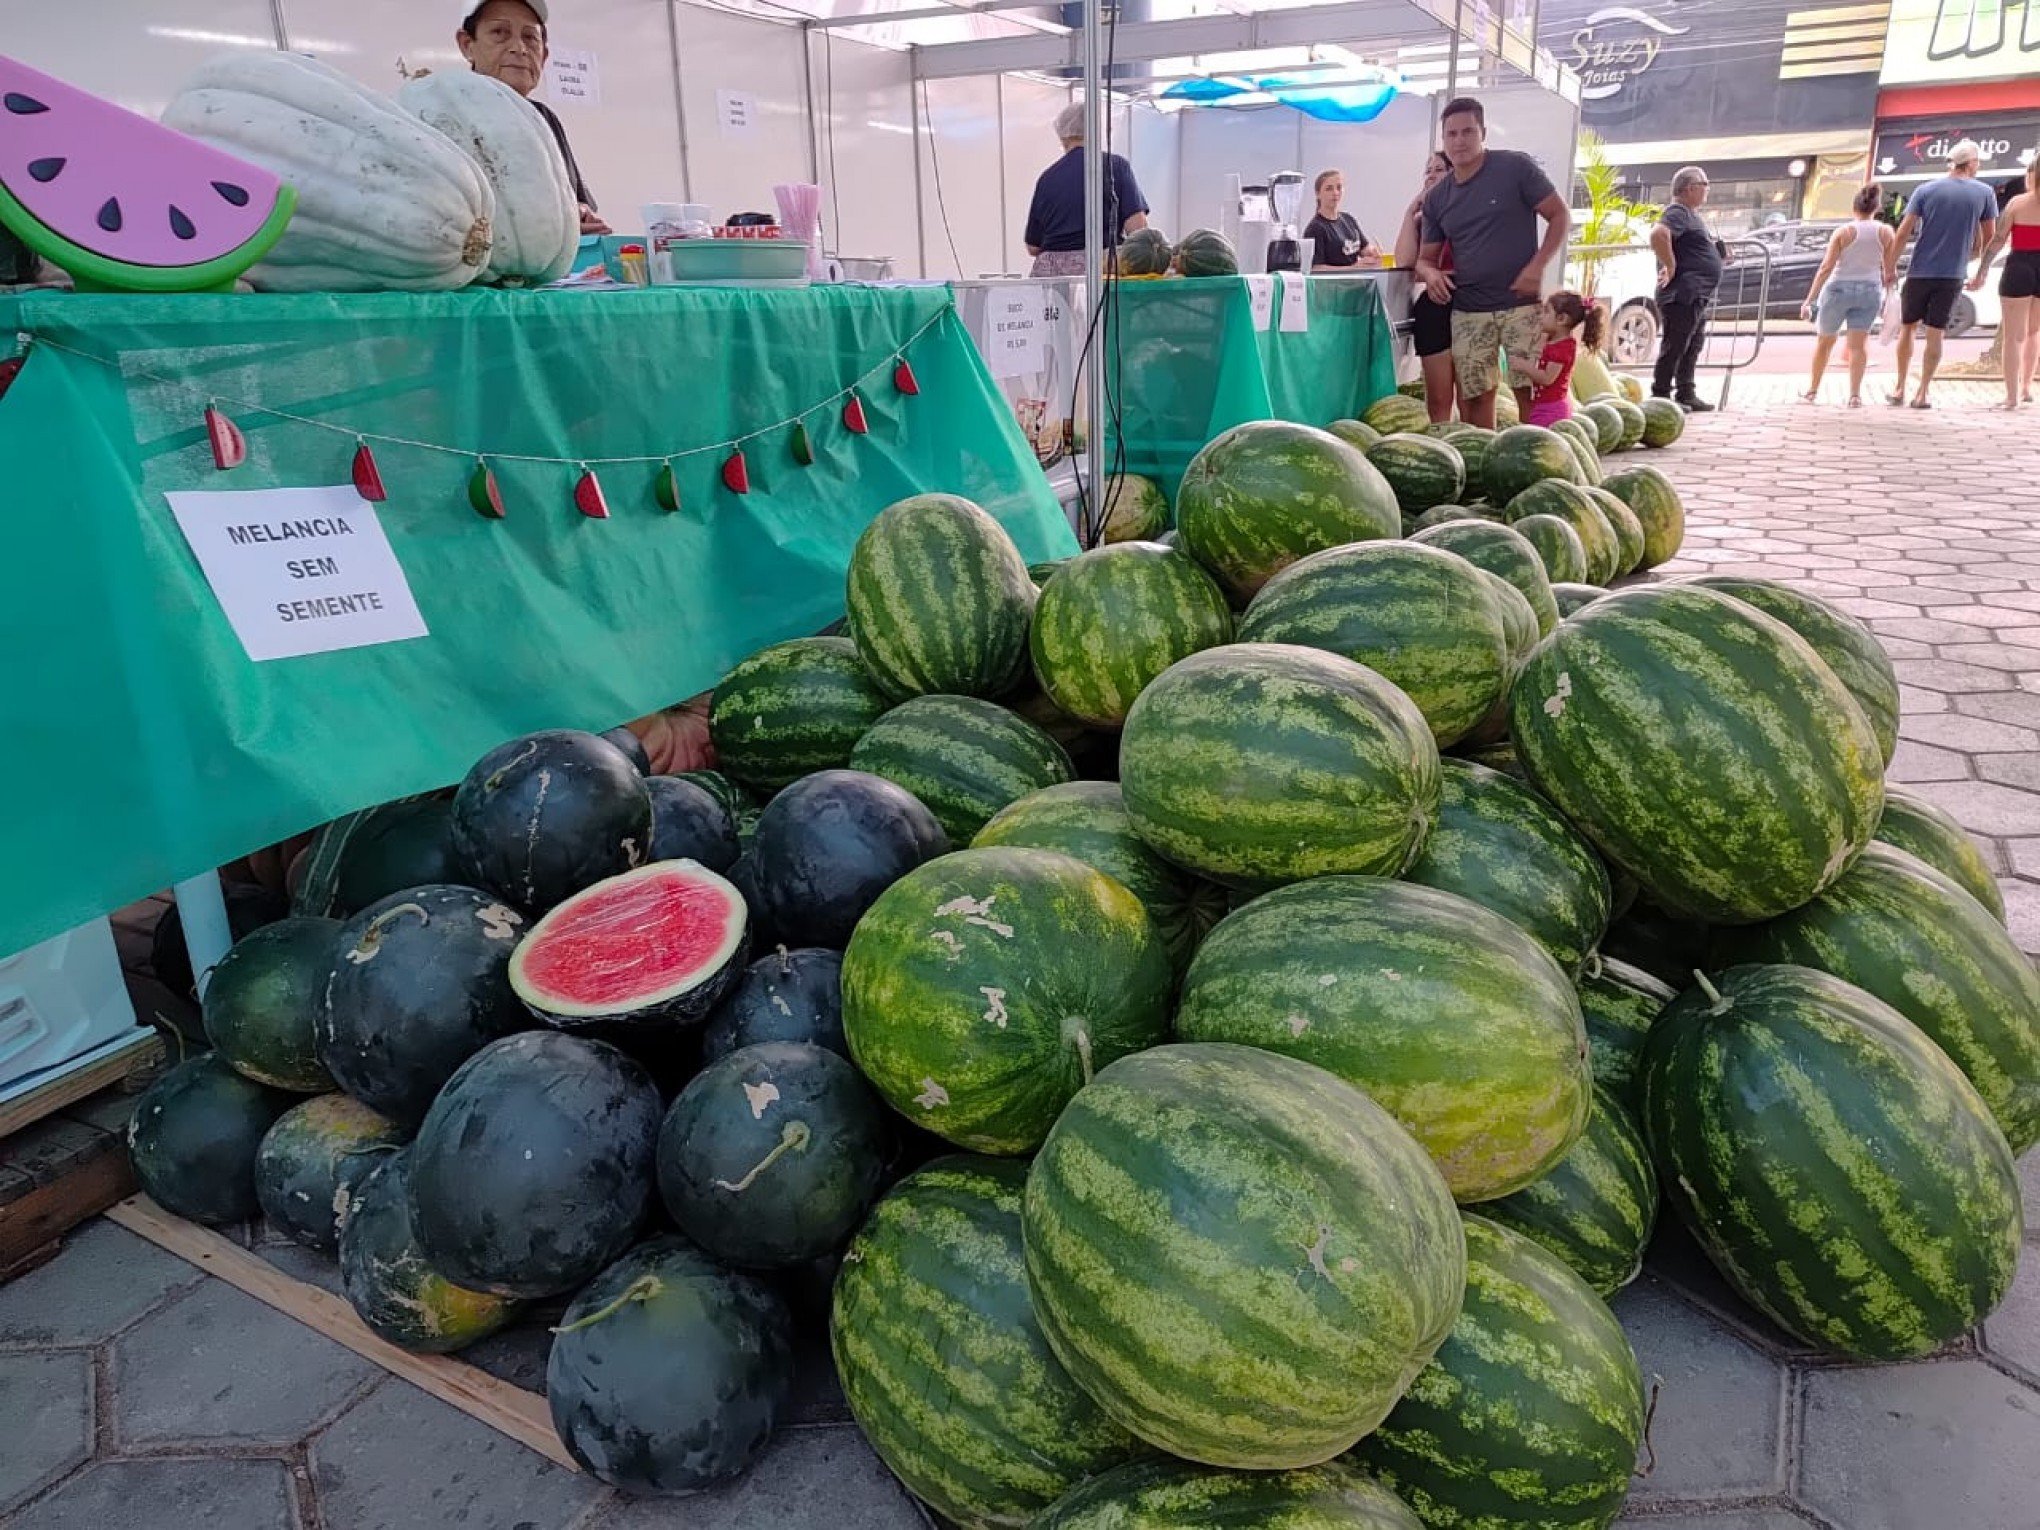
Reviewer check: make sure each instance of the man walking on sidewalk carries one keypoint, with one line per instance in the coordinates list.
(1955, 217)
(1689, 270)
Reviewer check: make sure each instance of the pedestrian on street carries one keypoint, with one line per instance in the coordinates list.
(1689, 260)
(1848, 289)
(1430, 318)
(2018, 288)
(1955, 218)
(1487, 211)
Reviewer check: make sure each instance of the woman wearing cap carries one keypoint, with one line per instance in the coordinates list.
(1337, 244)
(1055, 220)
(506, 40)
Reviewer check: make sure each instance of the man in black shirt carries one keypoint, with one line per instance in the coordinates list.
(1689, 269)
(506, 40)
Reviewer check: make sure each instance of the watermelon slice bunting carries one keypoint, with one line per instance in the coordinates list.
(736, 476)
(666, 488)
(588, 496)
(229, 446)
(367, 476)
(853, 417)
(904, 379)
(483, 493)
(803, 445)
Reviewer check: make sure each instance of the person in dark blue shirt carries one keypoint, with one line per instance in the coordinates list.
(1055, 220)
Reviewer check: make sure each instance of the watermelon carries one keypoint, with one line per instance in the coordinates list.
(1158, 1494)
(1206, 252)
(1498, 843)
(690, 824)
(1898, 929)
(1355, 433)
(1501, 550)
(660, 945)
(669, 1372)
(419, 982)
(1264, 494)
(985, 988)
(1145, 252)
(541, 817)
(1041, 573)
(829, 844)
(1585, 448)
(1607, 422)
(1631, 410)
(1136, 509)
(194, 1135)
(1570, 596)
(1597, 1208)
(771, 1156)
(1848, 646)
(632, 747)
(1558, 548)
(1922, 828)
(964, 758)
(1115, 618)
(1519, 622)
(1241, 1257)
(1421, 470)
(534, 1166)
(123, 203)
(1420, 617)
(389, 1284)
(1658, 509)
(1630, 387)
(310, 1161)
(394, 846)
(1573, 504)
(1472, 443)
(1629, 538)
(719, 786)
(791, 709)
(1591, 378)
(1507, 412)
(1261, 763)
(1532, 1413)
(1837, 1168)
(1454, 1020)
(262, 1006)
(1088, 820)
(939, 600)
(1395, 413)
(1620, 1003)
(988, 1431)
(1703, 747)
(1663, 422)
(786, 996)
(1438, 515)
(1521, 455)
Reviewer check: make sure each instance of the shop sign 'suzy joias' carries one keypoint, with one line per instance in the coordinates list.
(1612, 45)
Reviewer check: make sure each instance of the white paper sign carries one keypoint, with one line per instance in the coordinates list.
(736, 112)
(1261, 296)
(299, 571)
(573, 77)
(1015, 319)
(1295, 303)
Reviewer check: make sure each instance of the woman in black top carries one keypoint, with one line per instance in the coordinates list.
(1338, 244)
(1430, 320)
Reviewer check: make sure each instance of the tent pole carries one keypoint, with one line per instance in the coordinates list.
(1094, 240)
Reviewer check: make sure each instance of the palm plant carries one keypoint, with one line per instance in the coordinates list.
(1612, 219)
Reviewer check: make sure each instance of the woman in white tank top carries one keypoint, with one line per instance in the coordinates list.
(1848, 290)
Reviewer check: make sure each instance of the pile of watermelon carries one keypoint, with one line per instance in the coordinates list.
(1221, 1015)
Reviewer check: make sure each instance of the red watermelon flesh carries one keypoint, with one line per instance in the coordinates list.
(659, 945)
(116, 184)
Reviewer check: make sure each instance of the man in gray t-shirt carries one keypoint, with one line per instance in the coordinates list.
(1486, 213)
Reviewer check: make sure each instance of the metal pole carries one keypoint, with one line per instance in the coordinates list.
(1094, 240)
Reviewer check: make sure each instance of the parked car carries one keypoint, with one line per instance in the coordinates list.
(1625, 278)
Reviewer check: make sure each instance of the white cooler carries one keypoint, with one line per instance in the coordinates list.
(61, 1003)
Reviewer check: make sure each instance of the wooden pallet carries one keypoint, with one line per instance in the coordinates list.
(125, 1066)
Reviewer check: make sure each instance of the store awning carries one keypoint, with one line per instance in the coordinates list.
(1698, 151)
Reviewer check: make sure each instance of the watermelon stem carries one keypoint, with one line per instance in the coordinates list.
(1719, 1006)
(643, 1289)
(1083, 1041)
(372, 937)
(793, 1139)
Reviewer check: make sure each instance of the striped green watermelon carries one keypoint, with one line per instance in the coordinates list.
(1597, 1209)
(1632, 423)
(1607, 422)
(1522, 455)
(1160, 1494)
(1663, 422)
(1261, 763)
(1439, 515)
(1835, 1165)
(986, 987)
(1500, 550)
(1088, 820)
(1472, 443)
(792, 709)
(1531, 1414)
(1041, 573)
(1898, 929)
(1519, 622)
(1925, 829)
(1396, 412)
(939, 600)
(1420, 616)
(1848, 646)
(1585, 451)
(1449, 1016)
(1658, 509)
(1620, 1003)
(963, 757)
(1558, 547)
(1355, 433)
(1703, 747)
(1629, 539)
(1499, 843)
(1267, 493)
(1421, 470)
(1241, 1257)
(1570, 596)
(941, 1359)
(1115, 618)
(1574, 505)
(1136, 509)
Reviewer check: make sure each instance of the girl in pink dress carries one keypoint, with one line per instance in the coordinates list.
(1569, 322)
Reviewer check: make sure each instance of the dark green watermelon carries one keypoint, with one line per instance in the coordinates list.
(386, 1279)
(771, 1156)
(689, 824)
(786, 996)
(194, 1136)
(829, 844)
(312, 1159)
(669, 1373)
(249, 908)
(262, 1004)
(544, 815)
(1159, 1494)
(632, 748)
(1597, 1209)
(1620, 1003)
(399, 845)
(534, 1166)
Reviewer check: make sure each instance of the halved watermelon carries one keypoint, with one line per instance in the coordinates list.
(124, 203)
(662, 944)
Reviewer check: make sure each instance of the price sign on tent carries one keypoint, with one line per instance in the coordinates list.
(737, 111)
(573, 77)
(1016, 320)
(299, 571)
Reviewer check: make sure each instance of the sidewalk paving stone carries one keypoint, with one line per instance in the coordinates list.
(45, 1419)
(781, 1493)
(204, 1493)
(106, 1279)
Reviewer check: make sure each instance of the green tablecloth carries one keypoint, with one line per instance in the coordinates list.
(1189, 365)
(142, 745)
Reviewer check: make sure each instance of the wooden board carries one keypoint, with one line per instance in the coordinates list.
(31, 1224)
(131, 1060)
(509, 1410)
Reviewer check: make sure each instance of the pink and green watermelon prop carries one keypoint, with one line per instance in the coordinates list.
(125, 204)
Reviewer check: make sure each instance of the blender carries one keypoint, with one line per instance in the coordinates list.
(1285, 195)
